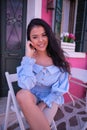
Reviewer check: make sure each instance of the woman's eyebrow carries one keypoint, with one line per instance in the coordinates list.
(38, 34)
(34, 35)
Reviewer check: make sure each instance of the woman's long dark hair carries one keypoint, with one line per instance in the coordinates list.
(53, 49)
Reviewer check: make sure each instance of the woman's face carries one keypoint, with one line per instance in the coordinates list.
(39, 38)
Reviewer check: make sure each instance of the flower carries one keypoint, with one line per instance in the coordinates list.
(68, 37)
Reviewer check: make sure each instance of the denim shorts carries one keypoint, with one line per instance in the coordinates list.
(41, 92)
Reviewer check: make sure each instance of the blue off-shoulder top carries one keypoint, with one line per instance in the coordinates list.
(47, 83)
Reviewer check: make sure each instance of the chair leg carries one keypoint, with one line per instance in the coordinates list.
(70, 95)
(16, 110)
(19, 117)
(7, 111)
(53, 125)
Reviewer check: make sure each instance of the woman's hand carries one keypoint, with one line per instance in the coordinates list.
(30, 50)
(42, 105)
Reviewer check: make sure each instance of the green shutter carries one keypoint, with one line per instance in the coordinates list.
(58, 17)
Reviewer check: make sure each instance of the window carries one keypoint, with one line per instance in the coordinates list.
(81, 26)
(70, 16)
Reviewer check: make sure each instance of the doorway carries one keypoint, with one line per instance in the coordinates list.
(13, 38)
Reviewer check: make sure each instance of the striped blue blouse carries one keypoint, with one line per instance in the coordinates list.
(47, 83)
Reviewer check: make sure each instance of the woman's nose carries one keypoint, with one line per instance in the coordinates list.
(40, 38)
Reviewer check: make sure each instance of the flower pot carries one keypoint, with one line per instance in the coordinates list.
(68, 47)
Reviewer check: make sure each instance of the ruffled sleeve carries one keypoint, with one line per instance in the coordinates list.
(60, 87)
(26, 77)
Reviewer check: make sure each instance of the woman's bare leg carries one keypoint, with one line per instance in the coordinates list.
(32, 113)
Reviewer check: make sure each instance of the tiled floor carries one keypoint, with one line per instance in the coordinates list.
(68, 117)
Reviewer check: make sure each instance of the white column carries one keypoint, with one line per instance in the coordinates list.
(34, 9)
(38, 8)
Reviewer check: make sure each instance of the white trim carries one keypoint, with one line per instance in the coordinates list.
(76, 54)
(38, 8)
(33, 9)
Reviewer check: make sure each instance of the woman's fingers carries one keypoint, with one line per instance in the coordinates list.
(29, 49)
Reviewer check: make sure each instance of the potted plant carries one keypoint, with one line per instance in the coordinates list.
(68, 41)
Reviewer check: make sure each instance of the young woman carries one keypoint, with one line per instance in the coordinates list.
(42, 75)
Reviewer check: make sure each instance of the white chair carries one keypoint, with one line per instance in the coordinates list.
(11, 98)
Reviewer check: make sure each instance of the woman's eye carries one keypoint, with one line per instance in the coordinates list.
(45, 34)
(34, 37)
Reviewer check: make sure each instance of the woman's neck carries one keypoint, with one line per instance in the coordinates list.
(43, 59)
(42, 54)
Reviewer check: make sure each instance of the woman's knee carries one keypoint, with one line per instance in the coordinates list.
(24, 96)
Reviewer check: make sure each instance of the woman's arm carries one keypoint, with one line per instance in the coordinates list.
(26, 77)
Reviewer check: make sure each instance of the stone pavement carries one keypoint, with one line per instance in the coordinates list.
(71, 117)
(68, 117)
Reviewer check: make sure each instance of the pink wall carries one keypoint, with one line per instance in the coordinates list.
(46, 15)
(78, 62)
(77, 90)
